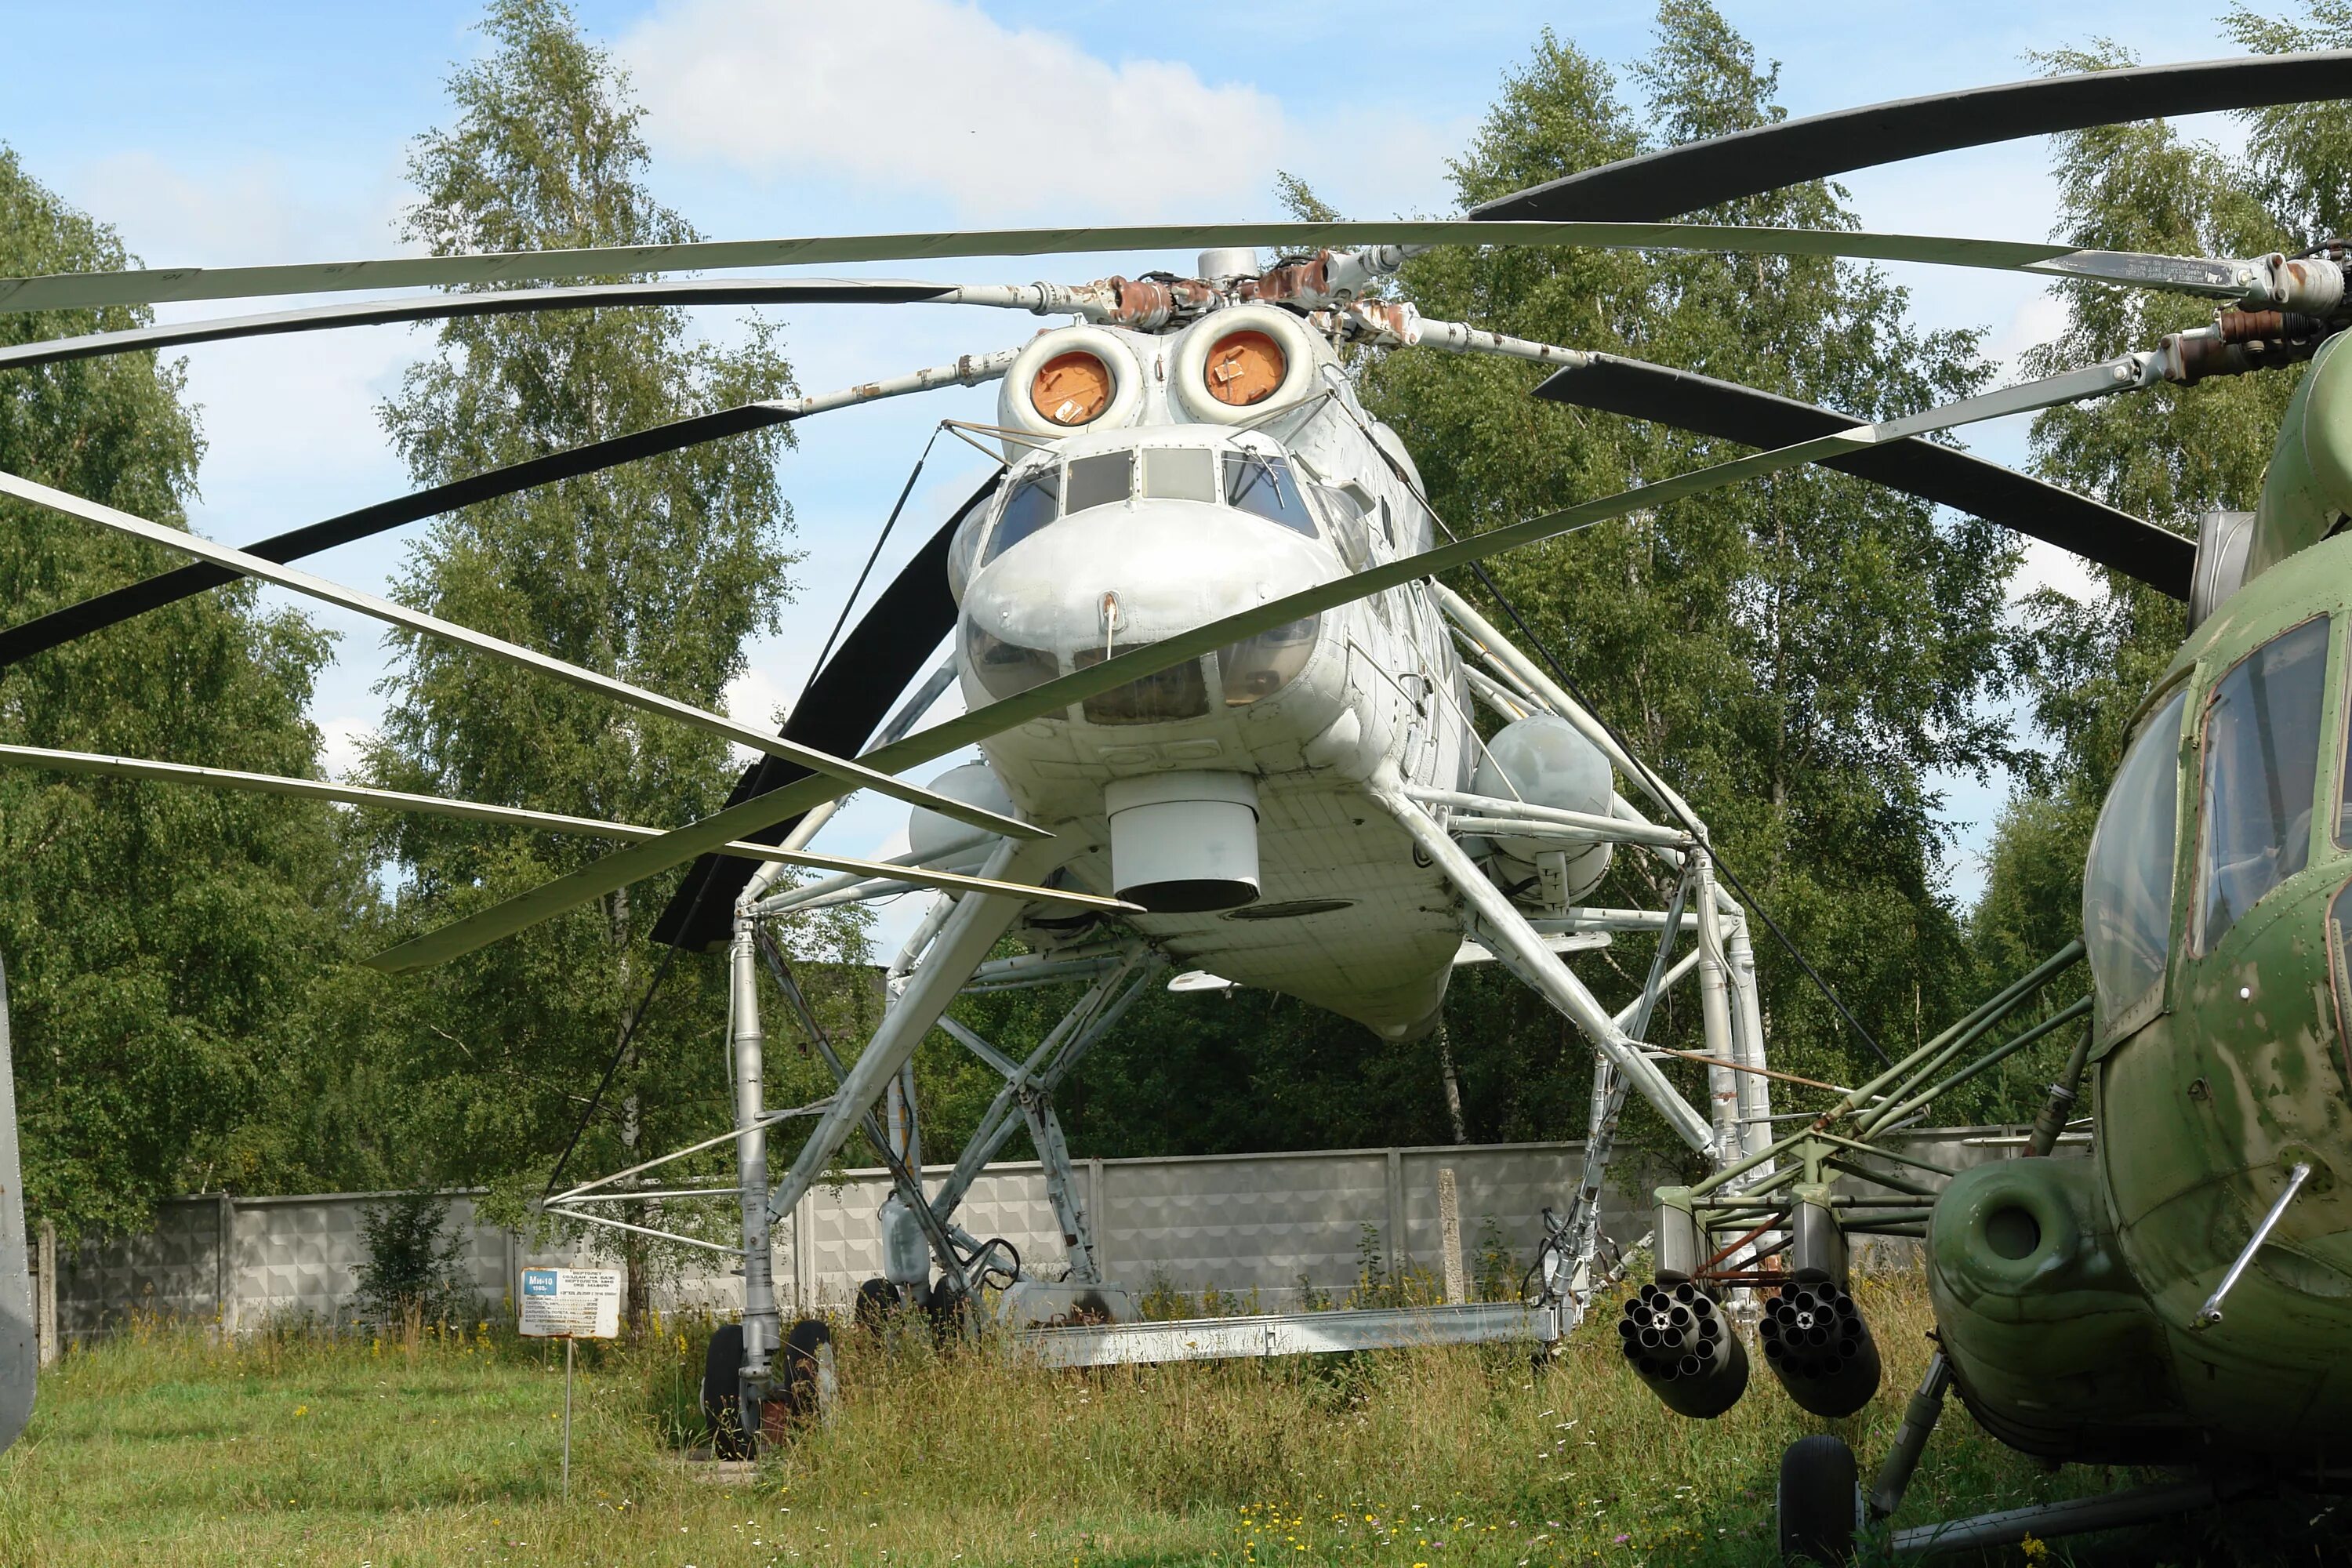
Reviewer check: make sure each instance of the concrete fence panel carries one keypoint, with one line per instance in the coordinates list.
(1277, 1224)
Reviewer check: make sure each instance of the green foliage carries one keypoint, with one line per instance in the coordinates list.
(162, 940)
(656, 572)
(2166, 454)
(413, 1258)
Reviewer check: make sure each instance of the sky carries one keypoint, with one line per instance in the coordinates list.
(239, 133)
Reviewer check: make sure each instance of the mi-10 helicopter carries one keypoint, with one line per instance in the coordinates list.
(1226, 711)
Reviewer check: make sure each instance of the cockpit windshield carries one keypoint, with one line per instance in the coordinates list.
(1180, 473)
(1103, 479)
(2261, 764)
(1033, 504)
(1263, 486)
(1258, 483)
(2128, 879)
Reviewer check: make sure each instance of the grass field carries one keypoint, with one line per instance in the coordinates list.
(162, 1447)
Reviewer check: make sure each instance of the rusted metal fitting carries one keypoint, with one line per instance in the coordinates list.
(1388, 320)
(1144, 303)
(1308, 281)
(2268, 326)
(2311, 285)
(2193, 356)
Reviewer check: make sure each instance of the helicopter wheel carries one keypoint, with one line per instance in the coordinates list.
(1819, 1502)
(722, 1386)
(807, 1371)
(876, 1299)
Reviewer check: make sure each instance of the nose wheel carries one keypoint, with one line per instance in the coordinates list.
(1819, 1502)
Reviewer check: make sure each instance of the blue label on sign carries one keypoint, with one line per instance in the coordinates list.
(539, 1281)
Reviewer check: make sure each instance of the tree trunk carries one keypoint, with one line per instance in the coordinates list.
(1453, 1085)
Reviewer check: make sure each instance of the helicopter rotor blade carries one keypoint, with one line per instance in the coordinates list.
(1392, 240)
(1769, 157)
(79, 290)
(90, 762)
(61, 627)
(489, 302)
(1943, 475)
(846, 701)
(842, 771)
(638, 861)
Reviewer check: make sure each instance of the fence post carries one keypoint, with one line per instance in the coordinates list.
(1449, 1237)
(804, 1254)
(225, 1268)
(45, 1310)
(1394, 1250)
(1099, 1215)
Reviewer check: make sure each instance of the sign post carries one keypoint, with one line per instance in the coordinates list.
(570, 1304)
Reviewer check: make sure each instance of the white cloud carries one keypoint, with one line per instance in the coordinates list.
(934, 97)
(756, 698)
(341, 739)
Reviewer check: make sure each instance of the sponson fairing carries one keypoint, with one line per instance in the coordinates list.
(1169, 509)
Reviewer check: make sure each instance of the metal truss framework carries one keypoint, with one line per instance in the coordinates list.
(1703, 941)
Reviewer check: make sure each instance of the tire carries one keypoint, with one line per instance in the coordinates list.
(947, 1308)
(1819, 1502)
(876, 1299)
(802, 1396)
(723, 1388)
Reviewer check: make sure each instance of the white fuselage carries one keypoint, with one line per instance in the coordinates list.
(1345, 918)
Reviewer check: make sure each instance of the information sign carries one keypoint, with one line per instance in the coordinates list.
(572, 1303)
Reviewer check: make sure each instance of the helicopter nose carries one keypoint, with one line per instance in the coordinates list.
(1121, 577)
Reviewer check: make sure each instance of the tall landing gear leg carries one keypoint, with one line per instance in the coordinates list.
(1918, 1420)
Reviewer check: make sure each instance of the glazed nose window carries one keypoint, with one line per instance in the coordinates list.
(1180, 473)
(1005, 669)
(1029, 508)
(1263, 486)
(1264, 664)
(1102, 480)
(1181, 692)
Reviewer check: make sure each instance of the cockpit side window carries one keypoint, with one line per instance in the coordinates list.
(1264, 486)
(2128, 877)
(1031, 506)
(2262, 765)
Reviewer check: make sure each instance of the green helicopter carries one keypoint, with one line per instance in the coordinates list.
(2181, 1298)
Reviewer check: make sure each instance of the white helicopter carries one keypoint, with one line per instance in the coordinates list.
(1226, 707)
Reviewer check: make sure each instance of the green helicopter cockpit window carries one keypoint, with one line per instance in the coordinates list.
(2127, 879)
(2261, 767)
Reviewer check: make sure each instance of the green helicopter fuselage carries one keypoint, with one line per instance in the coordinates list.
(2068, 1293)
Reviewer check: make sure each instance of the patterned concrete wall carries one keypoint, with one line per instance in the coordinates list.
(1270, 1224)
